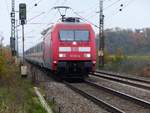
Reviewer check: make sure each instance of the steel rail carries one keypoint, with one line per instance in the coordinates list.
(136, 100)
(124, 77)
(122, 81)
(94, 99)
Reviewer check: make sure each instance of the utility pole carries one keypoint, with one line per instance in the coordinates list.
(101, 35)
(23, 42)
(12, 38)
(1, 45)
(17, 47)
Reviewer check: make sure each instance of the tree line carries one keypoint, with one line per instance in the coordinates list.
(130, 42)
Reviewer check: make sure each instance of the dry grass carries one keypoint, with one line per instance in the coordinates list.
(16, 93)
(134, 65)
(145, 72)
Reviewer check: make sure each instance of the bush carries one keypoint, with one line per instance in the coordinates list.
(2, 65)
(107, 57)
(119, 56)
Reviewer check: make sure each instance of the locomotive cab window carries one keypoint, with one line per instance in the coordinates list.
(81, 35)
(74, 35)
(67, 35)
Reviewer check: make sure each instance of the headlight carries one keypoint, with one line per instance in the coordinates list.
(61, 55)
(94, 62)
(55, 62)
(87, 55)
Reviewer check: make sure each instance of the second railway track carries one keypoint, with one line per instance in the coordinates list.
(122, 79)
(112, 100)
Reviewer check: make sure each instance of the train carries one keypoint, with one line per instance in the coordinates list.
(68, 49)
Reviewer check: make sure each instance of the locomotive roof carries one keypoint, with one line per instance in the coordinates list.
(61, 24)
(72, 23)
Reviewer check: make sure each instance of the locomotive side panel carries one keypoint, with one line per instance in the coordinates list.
(54, 48)
(46, 51)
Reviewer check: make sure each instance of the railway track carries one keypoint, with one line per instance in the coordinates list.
(107, 104)
(122, 95)
(123, 79)
(94, 99)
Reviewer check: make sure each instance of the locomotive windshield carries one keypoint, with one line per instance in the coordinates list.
(74, 35)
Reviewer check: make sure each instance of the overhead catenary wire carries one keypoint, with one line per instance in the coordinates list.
(128, 3)
(123, 7)
(35, 4)
(105, 8)
(45, 14)
(35, 16)
(90, 8)
(84, 19)
(112, 4)
(32, 18)
(57, 1)
(39, 1)
(89, 16)
(91, 13)
(38, 23)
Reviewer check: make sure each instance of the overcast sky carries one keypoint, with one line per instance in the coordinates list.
(135, 14)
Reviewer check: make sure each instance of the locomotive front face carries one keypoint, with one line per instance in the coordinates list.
(74, 45)
(75, 51)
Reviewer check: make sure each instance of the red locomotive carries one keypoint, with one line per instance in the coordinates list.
(68, 48)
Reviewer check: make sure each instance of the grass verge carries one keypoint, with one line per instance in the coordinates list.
(17, 94)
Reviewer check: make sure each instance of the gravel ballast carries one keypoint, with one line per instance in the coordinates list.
(69, 101)
(137, 92)
(65, 98)
(123, 104)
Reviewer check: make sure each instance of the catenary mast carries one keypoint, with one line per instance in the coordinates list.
(101, 35)
(12, 38)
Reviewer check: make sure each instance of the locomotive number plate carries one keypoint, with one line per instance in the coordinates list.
(75, 56)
